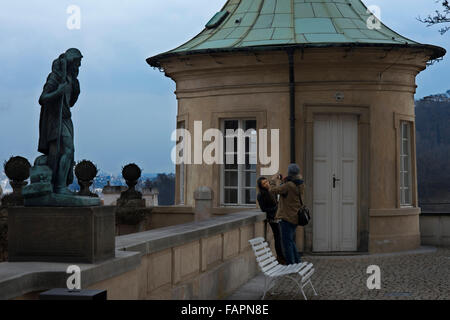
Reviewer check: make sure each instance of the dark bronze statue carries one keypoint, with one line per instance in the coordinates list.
(60, 93)
(52, 172)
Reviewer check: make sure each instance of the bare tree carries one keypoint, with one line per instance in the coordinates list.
(439, 17)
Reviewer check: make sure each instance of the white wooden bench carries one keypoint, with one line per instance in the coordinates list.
(300, 273)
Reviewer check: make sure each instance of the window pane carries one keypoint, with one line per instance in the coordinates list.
(231, 161)
(251, 149)
(250, 141)
(408, 196)
(405, 149)
(231, 178)
(406, 164)
(402, 180)
(406, 182)
(250, 124)
(231, 124)
(251, 167)
(250, 196)
(231, 167)
(230, 144)
(231, 196)
(250, 179)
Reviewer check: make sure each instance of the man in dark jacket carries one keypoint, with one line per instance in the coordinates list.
(289, 191)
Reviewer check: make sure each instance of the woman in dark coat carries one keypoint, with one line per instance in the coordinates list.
(269, 204)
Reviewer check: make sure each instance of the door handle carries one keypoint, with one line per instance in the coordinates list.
(334, 181)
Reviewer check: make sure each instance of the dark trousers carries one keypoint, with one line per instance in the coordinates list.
(288, 239)
(277, 238)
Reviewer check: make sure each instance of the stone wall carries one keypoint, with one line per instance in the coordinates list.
(196, 260)
(206, 260)
(3, 234)
(165, 216)
(435, 229)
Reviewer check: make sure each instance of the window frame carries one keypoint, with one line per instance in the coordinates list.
(399, 120)
(241, 170)
(405, 171)
(181, 169)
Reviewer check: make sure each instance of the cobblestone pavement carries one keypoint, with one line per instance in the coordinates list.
(403, 277)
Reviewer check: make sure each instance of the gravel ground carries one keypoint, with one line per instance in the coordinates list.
(412, 276)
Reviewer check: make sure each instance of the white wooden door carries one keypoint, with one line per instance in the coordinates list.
(335, 183)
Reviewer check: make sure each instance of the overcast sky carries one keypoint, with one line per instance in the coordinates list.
(126, 110)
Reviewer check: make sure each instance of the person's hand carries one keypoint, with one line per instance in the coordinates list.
(276, 176)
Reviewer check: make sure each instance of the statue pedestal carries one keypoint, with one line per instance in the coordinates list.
(56, 234)
(60, 200)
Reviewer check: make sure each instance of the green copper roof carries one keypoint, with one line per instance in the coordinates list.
(256, 23)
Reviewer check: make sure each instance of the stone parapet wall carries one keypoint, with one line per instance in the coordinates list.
(204, 260)
(435, 229)
(196, 260)
(3, 234)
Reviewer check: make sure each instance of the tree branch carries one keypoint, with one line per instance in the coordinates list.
(439, 17)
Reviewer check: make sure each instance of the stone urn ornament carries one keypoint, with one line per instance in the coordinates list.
(131, 205)
(17, 169)
(131, 173)
(86, 171)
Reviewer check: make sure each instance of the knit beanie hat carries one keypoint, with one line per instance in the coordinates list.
(293, 170)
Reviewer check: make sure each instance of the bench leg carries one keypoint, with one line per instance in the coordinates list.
(299, 285)
(267, 284)
(265, 288)
(303, 293)
(315, 293)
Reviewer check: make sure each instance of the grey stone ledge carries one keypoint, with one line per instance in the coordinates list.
(159, 239)
(365, 255)
(435, 214)
(19, 278)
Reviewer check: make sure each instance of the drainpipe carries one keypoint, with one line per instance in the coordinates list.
(290, 53)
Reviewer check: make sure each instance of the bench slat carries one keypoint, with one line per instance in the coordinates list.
(256, 240)
(270, 266)
(308, 275)
(264, 257)
(305, 270)
(267, 261)
(292, 268)
(272, 272)
(260, 246)
(261, 252)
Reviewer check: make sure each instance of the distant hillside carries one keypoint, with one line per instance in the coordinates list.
(433, 149)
